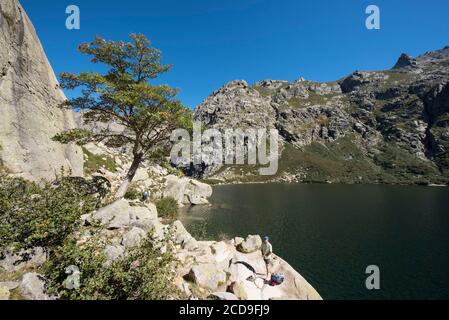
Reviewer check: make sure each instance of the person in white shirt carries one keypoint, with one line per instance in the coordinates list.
(267, 252)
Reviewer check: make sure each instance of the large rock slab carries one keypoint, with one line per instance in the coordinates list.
(113, 253)
(251, 244)
(144, 217)
(114, 216)
(208, 276)
(175, 188)
(187, 191)
(133, 237)
(247, 290)
(30, 98)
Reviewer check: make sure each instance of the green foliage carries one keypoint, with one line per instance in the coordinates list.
(95, 162)
(264, 92)
(407, 168)
(199, 231)
(32, 215)
(143, 274)
(167, 208)
(133, 193)
(80, 136)
(124, 95)
(2, 166)
(172, 170)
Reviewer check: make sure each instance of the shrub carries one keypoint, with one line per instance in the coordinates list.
(167, 208)
(133, 193)
(143, 274)
(199, 231)
(172, 170)
(33, 215)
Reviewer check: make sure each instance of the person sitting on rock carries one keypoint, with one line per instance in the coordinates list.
(145, 196)
(267, 252)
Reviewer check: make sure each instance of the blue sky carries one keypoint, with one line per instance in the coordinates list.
(211, 42)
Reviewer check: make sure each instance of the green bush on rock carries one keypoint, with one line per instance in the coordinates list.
(167, 208)
(144, 273)
(133, 193)
(34, 215)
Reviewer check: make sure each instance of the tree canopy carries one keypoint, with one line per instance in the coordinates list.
(124, 95)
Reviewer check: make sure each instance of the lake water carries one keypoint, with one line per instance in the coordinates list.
(331, 233)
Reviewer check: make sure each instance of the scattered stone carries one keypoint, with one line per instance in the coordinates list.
(73, 281)
(134, 237)
(30, 258)
(141, 175)
(175, 188)
(223, 253)
(196, 199)
(113, 252)
(33, 287)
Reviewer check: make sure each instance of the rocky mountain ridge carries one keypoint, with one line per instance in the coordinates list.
(374, 126)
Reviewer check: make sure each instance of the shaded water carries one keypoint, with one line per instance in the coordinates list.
(331, 233)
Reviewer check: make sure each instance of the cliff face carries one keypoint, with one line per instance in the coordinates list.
(29, 100)
(387, 126)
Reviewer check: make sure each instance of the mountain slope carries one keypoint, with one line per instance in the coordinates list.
(374, 127)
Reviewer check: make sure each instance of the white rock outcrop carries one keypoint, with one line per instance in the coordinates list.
(246, 277)
(29, 103)
(187, 191)
(33, 287)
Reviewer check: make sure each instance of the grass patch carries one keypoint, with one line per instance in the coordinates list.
(167, 208)
(94, 162)
(264, 92)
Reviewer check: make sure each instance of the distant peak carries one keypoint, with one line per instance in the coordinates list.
(236, 83)
(405, 61)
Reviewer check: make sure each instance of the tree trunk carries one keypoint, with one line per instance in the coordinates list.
(129, 176)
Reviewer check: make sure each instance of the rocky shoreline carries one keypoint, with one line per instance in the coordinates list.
(225, 270)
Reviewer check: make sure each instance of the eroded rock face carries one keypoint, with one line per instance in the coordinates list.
(29, 103)
(235, 105)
